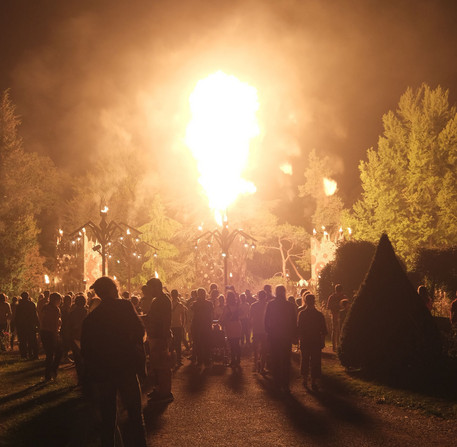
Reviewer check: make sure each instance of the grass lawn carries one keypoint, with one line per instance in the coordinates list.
(439, 399)
(34, 413)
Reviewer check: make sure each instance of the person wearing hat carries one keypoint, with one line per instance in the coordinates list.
(112, 351)
(158, 328)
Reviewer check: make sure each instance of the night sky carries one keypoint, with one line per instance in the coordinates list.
(92, 76)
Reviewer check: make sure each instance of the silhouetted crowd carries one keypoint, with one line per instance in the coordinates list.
(116, 342)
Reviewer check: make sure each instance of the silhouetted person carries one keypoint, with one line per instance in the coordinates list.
(26, 321)
(231, 323)
(280, 325)
(112, 350)
(202, 320)
(178, 321)
(5, 317)
(249, 298)
(425, 297)
(259, 335)
(453, 313)
(43, 299)
(213, 291)
(219, 307)
(244, 307)
(345, 305)
(77, 315)
(13, 331)
(303, 293)
(136, 304)
(145, 301)
(213, 294)
(65, 329)
(311, 334)
(49, 332)
(268, 291)
(333, 305)
(158, 328)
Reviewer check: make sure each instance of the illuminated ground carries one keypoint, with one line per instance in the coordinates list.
(220, 407)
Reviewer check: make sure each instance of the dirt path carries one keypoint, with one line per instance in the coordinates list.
(222, 407)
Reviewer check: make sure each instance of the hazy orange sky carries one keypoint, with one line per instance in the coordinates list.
(90, 76)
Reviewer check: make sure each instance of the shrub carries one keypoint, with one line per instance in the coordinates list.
(350, 266)
(389, 333)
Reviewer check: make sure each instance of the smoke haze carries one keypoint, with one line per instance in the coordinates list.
(94, 78)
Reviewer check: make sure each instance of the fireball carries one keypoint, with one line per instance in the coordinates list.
(219, 134)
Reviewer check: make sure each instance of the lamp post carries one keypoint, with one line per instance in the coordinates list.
(131, 248)
(224, 239)
(104, 233)
(113, 233)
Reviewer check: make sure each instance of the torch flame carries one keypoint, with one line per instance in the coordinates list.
(329, 186)
(46, 279)
(223, 123)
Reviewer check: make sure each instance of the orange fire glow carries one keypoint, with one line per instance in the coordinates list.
(286, 168)
(329, 186)
(219, 134)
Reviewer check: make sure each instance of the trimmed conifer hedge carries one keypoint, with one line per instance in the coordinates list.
(352, 260)
(389, 332)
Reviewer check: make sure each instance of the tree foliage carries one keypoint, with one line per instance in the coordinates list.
(389, 332)
(284, 247)
(410, 181)
(349, 268)
(27, 187)
(161, 232)
(438, 269)
(328, 208)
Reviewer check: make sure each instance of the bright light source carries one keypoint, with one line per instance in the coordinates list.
(223, 123)
(286, 168)
(329, 186)
(46, 279)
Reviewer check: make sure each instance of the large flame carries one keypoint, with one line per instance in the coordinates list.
(219, 134)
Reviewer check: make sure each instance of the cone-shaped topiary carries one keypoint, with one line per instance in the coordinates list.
(389, 332)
